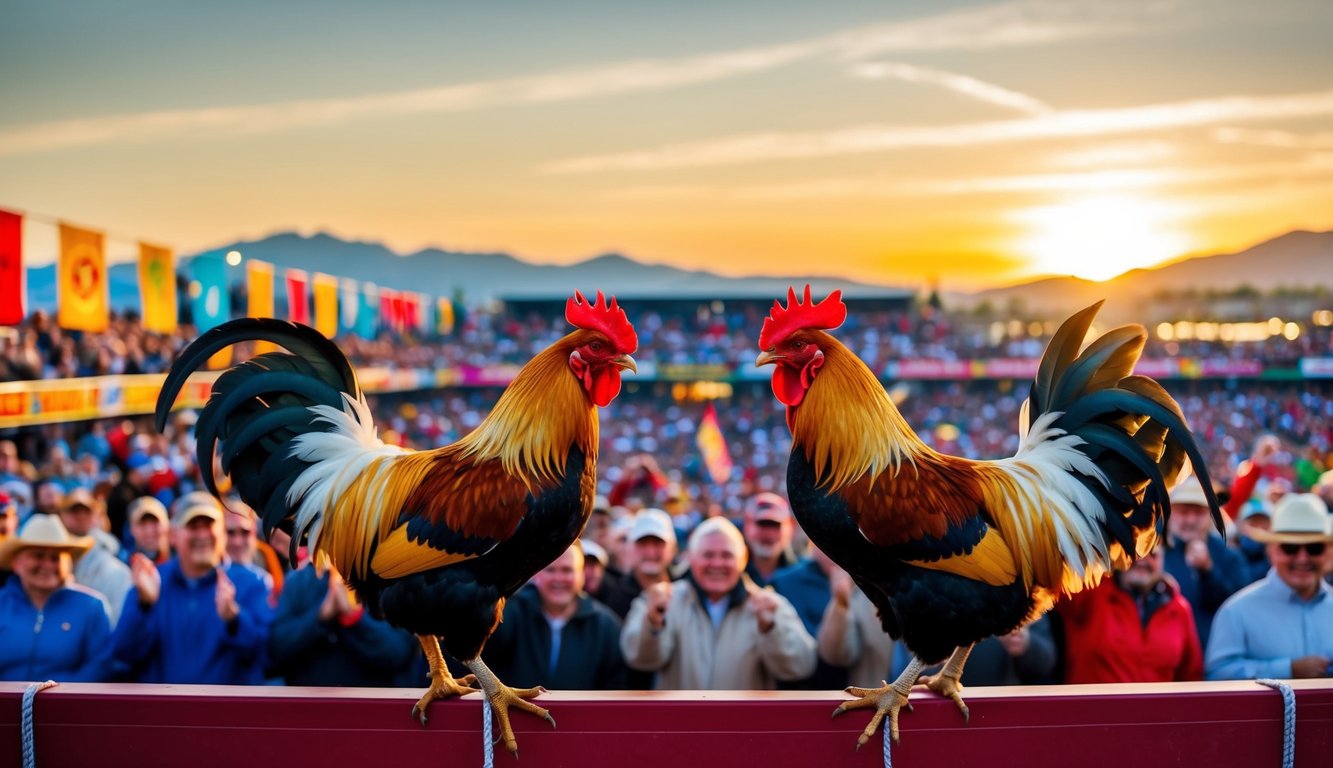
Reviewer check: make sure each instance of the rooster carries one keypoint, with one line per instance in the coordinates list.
(432, 541)
(951, 550)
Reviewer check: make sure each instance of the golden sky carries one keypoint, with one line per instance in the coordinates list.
(973, 143)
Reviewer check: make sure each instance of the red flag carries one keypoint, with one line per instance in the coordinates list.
(298, 300)
(389, 305)
(713, 445)
(11, 268)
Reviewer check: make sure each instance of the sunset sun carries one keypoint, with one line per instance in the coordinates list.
(1097, 238)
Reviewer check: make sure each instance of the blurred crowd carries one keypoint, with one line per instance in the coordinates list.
(116, 565)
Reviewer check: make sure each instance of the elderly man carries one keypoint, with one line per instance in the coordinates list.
(553, 634)
(151, 528)
(1281, 626)
(1206, 570)
(713, 630)
(769, 526)
(198, 619)
(99, 568)
(49, 627)
(653, 544)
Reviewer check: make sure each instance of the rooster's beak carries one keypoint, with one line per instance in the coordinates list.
(766, 358)
(625, 361)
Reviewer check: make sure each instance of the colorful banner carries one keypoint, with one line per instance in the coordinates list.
(259, 296)
(157, 287)
(391, 310)
(367, 315)
(326, 304)
(82, 299)
(298, 296)
(713, 445)
(349, 305)
(210, 301)
(444, 317)
(11, 268)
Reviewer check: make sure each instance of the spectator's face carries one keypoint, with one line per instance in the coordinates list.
(150, 534)
(9, 458)
(599, 528)
(200, 544)
(9, 521)
(48, 498)
(716, 565)
(767, 538)
(1144, 574)
(1189, 521)
(652, 556)
(41, 569)
(240, 537)
(1300, 566)
(593, 571)
(560, 583)
(78, 519)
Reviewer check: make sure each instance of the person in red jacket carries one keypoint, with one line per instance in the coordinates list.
(1133, 628)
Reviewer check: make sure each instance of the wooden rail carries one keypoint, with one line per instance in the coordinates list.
(1134, 726)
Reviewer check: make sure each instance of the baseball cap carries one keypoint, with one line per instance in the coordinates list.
(144, 506)
(769, 507)
(653, 522)
(195, 504)
(593, 551)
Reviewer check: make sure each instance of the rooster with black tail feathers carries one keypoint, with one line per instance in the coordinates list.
(432, 541)
(951, 550)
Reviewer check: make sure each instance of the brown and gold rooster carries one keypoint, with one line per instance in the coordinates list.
(952, 550)
(432, 541)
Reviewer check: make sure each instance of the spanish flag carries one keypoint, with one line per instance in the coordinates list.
(11, 268)
(259, 292)
(82, 298)
(713, 445)
(157, 287)
(326, 304)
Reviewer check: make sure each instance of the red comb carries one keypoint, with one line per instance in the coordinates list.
(783, 321)
(607, 318)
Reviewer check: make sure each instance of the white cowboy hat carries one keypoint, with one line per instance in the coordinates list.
(1298, 518)
(45, 531)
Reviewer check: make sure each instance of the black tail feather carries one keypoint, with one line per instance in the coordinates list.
(258, 407)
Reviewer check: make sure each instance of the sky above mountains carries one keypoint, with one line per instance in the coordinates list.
(972, 143)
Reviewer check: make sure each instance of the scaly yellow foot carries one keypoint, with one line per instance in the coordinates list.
(947, 685)
(505, 697)
(886, 701)
(442, 687)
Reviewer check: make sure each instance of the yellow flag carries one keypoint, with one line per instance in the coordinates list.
(83, 304)
(157, 287)
(326, 304)
(259, 288)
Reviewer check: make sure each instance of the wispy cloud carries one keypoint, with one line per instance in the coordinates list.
(1314, 166)
(967, 86)
(1274, 138)
(756, 147)
(1019, 23)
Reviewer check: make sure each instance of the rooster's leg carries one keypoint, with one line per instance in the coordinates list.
(948, 681)
(886, 701)
(442, 684)
(503, 697)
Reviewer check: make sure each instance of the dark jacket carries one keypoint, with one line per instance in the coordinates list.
(807, 588)
(364, 653)
(589, 658)
(1205, 591)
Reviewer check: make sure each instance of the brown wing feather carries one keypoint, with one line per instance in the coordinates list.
(469, 498)
(924, 498)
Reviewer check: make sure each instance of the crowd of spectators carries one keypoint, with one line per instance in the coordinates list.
(102, 522)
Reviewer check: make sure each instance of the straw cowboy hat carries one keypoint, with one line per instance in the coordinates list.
(1298, 518)
(47, 532)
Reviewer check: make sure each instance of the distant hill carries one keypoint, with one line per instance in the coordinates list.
(1299, 259)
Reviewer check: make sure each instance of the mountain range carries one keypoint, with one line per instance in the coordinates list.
(1296, 259)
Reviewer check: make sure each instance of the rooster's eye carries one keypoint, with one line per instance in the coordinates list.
(595, 346)
(798, 345)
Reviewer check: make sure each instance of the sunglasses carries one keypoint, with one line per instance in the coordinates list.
(1313, 549)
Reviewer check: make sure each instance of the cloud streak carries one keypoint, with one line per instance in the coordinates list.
(749, 148)
(1011, 24)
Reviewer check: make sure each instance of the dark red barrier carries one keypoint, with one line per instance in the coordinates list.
(1199, 724)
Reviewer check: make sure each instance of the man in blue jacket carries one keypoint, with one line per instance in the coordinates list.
(1206, 570)
(199, 618)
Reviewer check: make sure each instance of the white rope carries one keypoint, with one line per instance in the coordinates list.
(30, 695)
(487, 742)
(1288, 719)
(888, 758)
